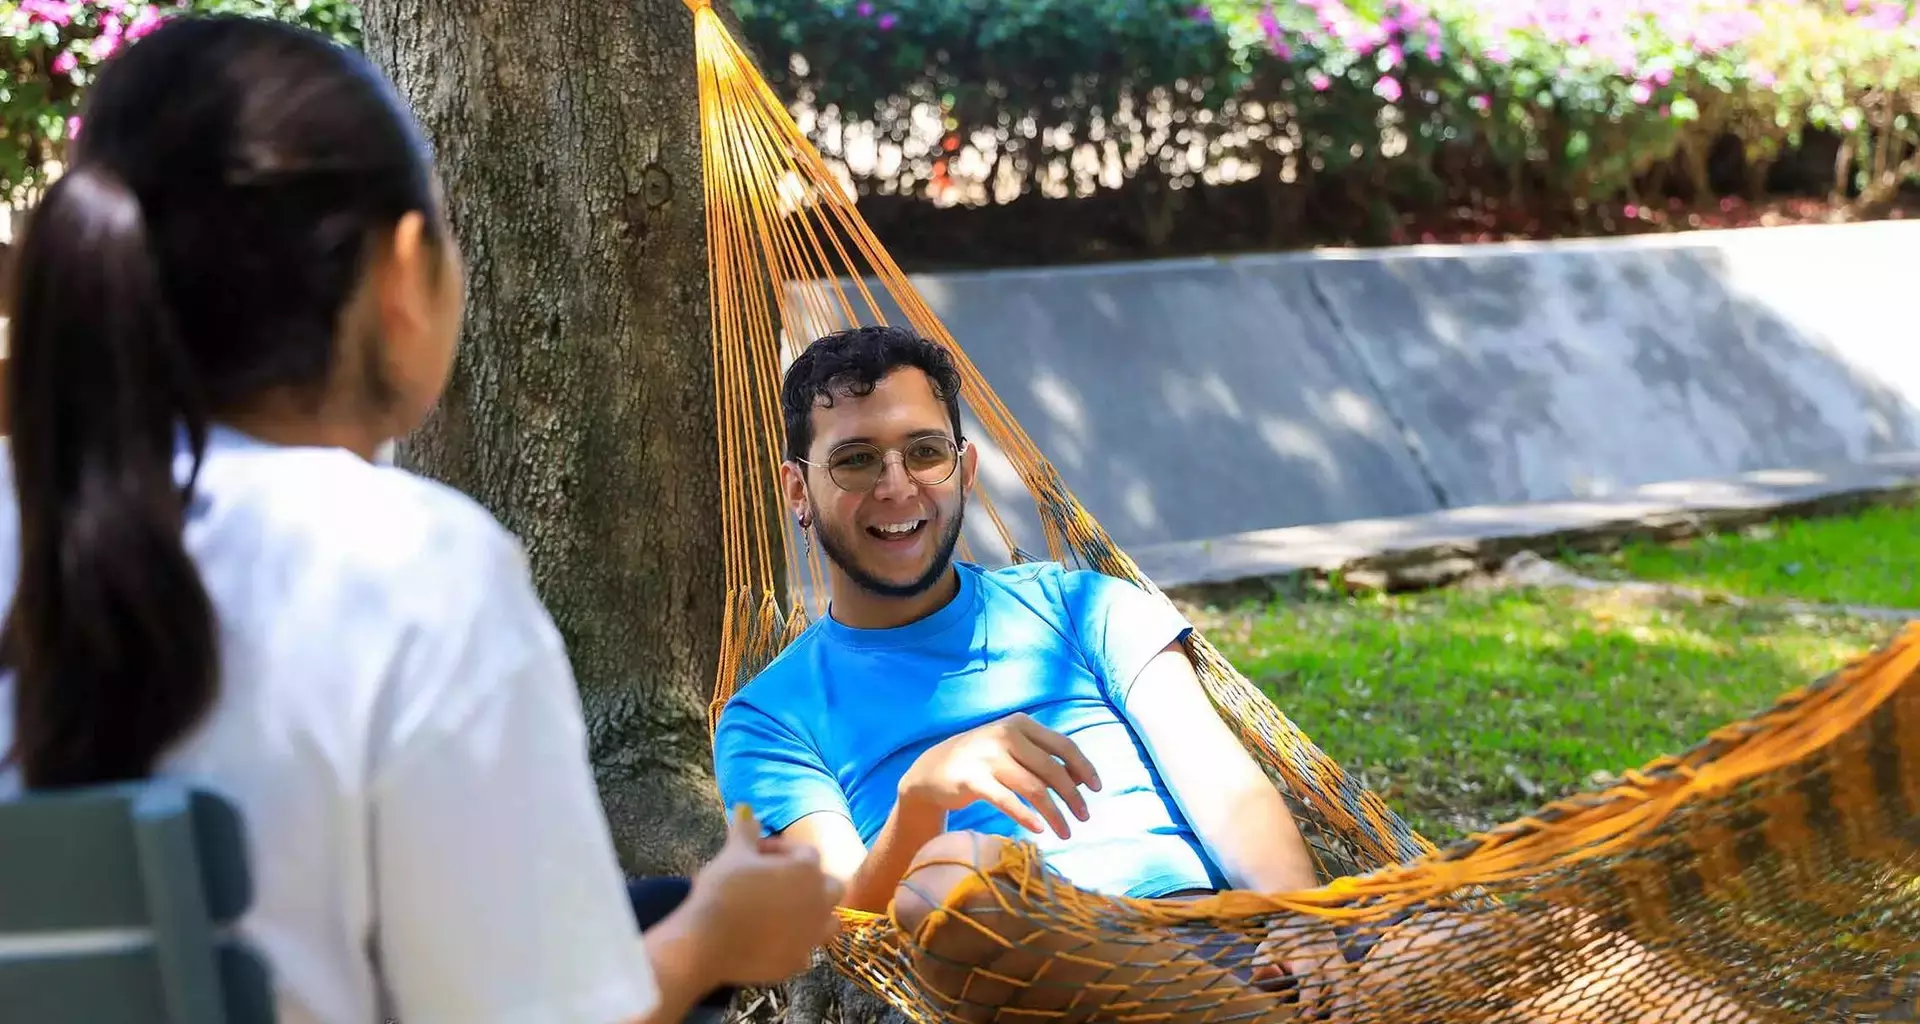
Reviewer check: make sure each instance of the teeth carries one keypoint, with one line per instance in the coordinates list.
(899, 527)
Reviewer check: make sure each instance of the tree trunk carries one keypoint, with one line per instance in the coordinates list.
(581, 409)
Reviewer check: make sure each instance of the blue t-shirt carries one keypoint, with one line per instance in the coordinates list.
(835, 721)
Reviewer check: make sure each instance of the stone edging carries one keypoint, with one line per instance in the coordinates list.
(1422, 567)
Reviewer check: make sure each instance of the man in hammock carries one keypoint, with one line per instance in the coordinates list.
(941, 709)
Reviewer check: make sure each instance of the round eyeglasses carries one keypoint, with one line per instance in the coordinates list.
(857, 467)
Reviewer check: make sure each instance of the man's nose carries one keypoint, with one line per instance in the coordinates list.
(894, 480)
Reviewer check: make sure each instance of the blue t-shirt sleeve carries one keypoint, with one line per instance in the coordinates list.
(1120, 626)
(760, 762)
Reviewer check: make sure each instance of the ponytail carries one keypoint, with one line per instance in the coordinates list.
(111, 635)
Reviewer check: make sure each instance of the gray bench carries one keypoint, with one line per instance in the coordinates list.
(116, 906)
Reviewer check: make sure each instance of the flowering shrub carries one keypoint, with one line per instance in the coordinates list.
(52, 48)
(1572, 102)
(1388, 105)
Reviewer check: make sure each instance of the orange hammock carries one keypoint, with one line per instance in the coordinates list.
(1770, 874)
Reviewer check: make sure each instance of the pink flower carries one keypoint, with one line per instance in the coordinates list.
(1887, 15)
(145, 22)
(1271, 26)
(65, 63)
(53, 12)
(1393, 56)
(1319, 81)
(73, 127)
(107, 43)
(1480, 103)
(1388, 88)
(886, 22)
(1641, 92)
(865, 10)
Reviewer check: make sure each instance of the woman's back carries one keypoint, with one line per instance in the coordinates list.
(384, 660)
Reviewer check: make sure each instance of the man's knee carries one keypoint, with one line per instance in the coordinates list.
(943, 864)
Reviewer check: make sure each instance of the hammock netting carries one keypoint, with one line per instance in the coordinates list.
(1771, 873)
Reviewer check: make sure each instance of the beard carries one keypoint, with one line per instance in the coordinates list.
(840, 553)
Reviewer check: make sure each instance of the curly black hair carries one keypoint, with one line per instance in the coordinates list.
(851, 362)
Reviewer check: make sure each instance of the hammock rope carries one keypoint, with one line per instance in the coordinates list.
(1771, 873)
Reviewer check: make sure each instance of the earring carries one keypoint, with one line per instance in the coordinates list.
(806, 527)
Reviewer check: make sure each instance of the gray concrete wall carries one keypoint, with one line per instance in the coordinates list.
(1199, 398)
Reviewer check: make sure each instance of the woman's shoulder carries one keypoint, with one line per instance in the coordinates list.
(334, 511)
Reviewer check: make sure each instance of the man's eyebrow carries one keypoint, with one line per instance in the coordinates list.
(914, 435)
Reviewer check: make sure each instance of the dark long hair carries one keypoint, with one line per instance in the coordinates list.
(213, 220)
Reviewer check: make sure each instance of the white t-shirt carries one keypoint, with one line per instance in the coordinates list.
(398, 723)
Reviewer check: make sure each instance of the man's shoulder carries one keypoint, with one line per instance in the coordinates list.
(790, 681)
(1056, 590)
(1028, 582)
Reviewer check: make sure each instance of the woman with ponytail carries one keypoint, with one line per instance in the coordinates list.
(240, 291)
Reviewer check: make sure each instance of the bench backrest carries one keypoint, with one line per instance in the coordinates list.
(116, 904)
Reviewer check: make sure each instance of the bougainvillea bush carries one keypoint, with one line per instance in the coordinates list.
(50, 50)
(1410, 102)
(1396, 109)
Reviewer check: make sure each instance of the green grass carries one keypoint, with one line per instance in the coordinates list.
(1871, 558)
(1468, 707)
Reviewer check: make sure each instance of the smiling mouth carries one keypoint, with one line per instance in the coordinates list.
(898, 531)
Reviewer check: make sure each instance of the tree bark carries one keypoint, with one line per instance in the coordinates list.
(581, 409)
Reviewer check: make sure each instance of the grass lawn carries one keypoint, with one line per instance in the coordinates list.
(1471, 706)
(1871, 558)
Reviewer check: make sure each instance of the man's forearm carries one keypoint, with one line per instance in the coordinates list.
(1250, 830)
(909, 827)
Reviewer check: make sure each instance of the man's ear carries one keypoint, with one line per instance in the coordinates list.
(969, 467)
(793, 486)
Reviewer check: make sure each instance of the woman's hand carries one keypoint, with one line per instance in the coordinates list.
(762, 906)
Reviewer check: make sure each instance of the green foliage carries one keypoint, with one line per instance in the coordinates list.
(1406, 104)
(1411, 99)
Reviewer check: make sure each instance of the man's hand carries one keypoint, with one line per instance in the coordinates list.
(1004, 763)
(1310, 965)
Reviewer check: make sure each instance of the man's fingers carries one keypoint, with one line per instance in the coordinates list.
(1000, 795)
(1053, 774)
(1066, 750)
(1317, 991)
(1036, 794)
